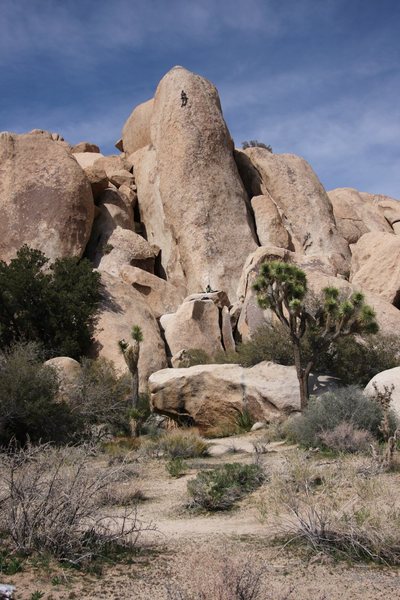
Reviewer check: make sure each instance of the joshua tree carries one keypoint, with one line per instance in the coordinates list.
(131, 355)
(282, 287)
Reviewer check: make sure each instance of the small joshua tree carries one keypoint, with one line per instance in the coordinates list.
(131, 353)
(282, 287)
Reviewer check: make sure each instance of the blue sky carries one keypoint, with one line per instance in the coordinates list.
(319, 78)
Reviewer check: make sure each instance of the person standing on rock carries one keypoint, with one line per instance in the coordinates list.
(184, 98)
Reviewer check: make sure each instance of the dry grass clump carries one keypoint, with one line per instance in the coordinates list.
(220, 488)
(177, 443)
(346, 438)
(219, 576)
(51, 503)
(336, 510)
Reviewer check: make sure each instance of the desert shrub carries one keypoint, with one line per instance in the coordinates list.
(66, 296)
(335, 510)
(345, 438)
(28, 399)
(325, 413)
(357, 360)
(176, 467)
(219, 489)
(256, 144)
(267, 343)
(101, 398)
(51, 504)
(196, 356)
(178, 443)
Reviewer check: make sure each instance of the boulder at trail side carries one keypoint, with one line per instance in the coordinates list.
(45, 198)
(121, 308)
(388, 378)
(215, 395)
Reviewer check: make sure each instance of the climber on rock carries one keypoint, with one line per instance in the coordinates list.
(184, 98)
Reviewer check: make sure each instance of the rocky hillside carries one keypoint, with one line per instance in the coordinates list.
(179, 212)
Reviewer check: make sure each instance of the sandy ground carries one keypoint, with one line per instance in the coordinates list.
(187, 545)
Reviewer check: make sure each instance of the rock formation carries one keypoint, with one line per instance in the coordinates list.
(178, 224)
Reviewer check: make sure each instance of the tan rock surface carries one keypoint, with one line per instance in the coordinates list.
(375, 265)
(356, 213)
(303, 203)
(160, 295)
(114, 163)
(98, 180)
(158, 228)
(121, 308)
(121, 177)
(215, 394)
(45, 198)
(136, 131)
(387, 378)
(203, 199)
(194, 325)
(126, 247)
(269, 223)
(85, 147)
(87, 159)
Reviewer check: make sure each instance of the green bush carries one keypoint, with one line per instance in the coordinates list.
(176, 467)
(54, 305)
(348, 405)
(357, 361)
(28, 399)
(220, 488)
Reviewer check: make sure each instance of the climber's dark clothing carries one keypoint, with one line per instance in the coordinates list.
(184, 98)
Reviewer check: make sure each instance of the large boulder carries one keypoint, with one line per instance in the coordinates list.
(214, 395)
(136, 131)
(356, 213)
(375, 265)
(202, 198)
(304, 205)
(45, 198)
(121, 308)
(87, 159)
(388, 378)
(160, 295)
(125, 247)
(85, 147)
(195, 325)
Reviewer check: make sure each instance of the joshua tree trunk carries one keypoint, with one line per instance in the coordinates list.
(302, 374)
(131, 356)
